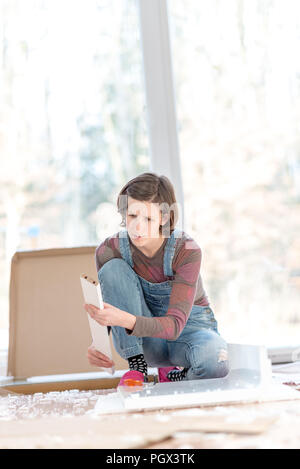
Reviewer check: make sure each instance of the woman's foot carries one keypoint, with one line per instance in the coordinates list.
(138, 363)
(177, 374)
(138, 372)
(169, 373)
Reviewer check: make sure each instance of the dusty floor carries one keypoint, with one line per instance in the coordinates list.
(66, 420)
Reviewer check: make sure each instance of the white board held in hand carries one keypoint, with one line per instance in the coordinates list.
(93, 296)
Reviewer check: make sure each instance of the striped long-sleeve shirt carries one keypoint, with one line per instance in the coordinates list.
(187, 288)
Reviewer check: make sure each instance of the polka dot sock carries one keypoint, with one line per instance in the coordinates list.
(177, 375)
(138, 363)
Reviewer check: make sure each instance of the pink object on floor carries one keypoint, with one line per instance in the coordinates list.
(162, 373)
(132, 376)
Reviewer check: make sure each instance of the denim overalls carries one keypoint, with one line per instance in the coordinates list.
(199, 346)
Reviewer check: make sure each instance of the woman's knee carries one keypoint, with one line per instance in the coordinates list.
(120, 286)
(114, 270)
(112, 266)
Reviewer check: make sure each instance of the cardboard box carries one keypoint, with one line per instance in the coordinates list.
(48, 326)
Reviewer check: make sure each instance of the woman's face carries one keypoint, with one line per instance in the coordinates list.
(143, 220)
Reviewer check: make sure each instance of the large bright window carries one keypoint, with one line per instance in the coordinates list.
(237, 76)
(73, 131)
(72, 122)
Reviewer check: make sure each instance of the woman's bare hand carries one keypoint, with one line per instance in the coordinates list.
(111, 316)
(97, 358)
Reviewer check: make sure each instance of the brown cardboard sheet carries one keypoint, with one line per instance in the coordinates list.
(48, 326)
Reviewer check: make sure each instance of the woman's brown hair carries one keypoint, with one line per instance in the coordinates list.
(149, 187)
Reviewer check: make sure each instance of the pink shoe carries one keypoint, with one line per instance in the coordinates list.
(132, 378)
(162, 373)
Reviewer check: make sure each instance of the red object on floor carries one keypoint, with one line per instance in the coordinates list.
(162, 373)
(132, 378)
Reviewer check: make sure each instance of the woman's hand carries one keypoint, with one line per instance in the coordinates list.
(111, 316)
(97, 358)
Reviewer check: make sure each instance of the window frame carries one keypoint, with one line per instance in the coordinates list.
(160, 95)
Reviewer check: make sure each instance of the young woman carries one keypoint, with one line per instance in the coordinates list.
(154, 300)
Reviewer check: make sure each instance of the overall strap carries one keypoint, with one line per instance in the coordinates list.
(169, 254)
(125, 247)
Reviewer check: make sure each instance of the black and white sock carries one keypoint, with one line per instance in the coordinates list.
(138, 363)
(177, 375)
